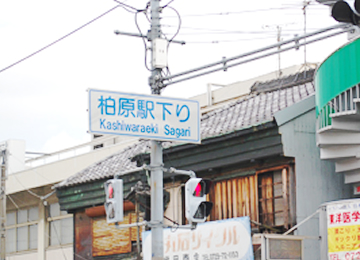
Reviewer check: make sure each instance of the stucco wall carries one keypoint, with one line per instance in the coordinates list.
(316, 179)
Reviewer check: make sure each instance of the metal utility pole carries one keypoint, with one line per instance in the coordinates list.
(2, 208)
(156, 157)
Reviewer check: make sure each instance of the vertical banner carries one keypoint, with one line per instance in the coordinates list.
(215, 240)
(343, 222)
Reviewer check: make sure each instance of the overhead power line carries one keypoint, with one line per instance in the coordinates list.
(65, 36)
(224, 64)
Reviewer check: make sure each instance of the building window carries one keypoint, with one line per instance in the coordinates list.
(274, 197)
(21, 230)
(60, 226)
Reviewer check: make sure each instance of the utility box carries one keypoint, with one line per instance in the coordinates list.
(275, 247)
(159, 53)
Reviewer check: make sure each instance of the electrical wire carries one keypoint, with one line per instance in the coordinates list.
(204, 31)
(168, 4)
(233, 13)
(13, 202)
(32, 169)
(145, 45)
(56, 233)
(60, 39)
(125, 6)
(179, 25)
(228, 41)
(28, 190)
(168, 73)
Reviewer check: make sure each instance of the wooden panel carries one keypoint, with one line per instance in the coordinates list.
(107, 240)
(218, 209)
(285, 195)
(266, 200)
(247, 196)
(253, 198)
(236, 197)
(229, 197)
(224, 200)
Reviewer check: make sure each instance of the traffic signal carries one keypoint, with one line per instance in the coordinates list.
(347, 11)
(114, 200)
(196, 206)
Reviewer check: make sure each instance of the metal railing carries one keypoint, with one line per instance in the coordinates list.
(75, 151)
(343, 104)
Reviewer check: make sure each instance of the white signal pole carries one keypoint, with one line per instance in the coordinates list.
(2, 207)
(156, 157)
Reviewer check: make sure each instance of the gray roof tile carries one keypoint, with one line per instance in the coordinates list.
(254, 109)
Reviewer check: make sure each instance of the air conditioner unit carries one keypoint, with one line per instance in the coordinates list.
(276, 247)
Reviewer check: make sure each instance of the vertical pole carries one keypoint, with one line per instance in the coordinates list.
(156, 159)
(138, 227)
(2, 211)
(42, 231)
(157, 207)
(323, 232)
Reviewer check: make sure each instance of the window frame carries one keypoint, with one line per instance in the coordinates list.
(286, 191)
(50, 219)
(17, 225)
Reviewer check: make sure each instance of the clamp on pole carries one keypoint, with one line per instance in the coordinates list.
(225, 63)
(171, 170)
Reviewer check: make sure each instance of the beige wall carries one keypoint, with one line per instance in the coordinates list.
(174, 209)
(63, 253)
(57, 171)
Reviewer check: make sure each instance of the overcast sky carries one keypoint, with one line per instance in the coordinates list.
(43, 99)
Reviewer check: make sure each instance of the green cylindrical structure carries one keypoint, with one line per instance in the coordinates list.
(339, 72)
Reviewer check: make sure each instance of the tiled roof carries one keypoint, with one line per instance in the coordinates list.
(107, 168)
(254, 109)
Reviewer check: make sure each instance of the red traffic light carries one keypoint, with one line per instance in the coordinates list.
(203, 187)
(196, 207)
(198, 190)
(110, 191)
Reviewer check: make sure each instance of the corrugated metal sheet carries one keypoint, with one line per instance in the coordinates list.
(83, 237)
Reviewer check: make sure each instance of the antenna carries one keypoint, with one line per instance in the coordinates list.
(279, 40)
(305, 5)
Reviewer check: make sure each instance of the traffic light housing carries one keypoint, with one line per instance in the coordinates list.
(347, 11)
(114, 200)
(196, 207)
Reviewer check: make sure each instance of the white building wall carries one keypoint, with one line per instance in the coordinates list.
(23, 256)
(62, 253)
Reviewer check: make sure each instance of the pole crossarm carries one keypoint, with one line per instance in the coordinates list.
(226, 63)
(117, 32)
